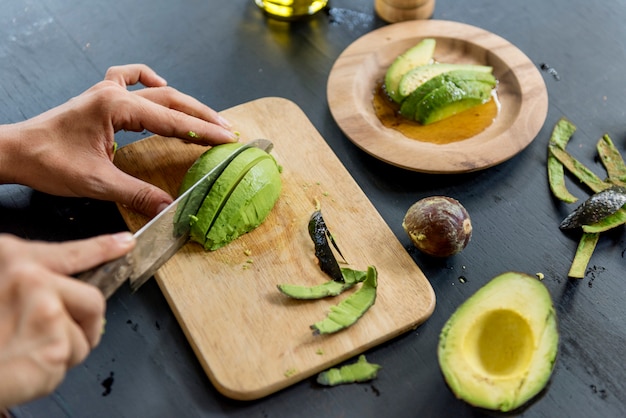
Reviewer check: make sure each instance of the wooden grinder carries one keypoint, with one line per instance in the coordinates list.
(400, 10)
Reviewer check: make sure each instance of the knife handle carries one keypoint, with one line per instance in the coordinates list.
(108, 277)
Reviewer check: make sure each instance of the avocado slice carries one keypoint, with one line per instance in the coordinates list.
(420, 54)
(221, 192)
(497, 351)
(186, 213)
(419, 75)
(448, 94)
(248, 203)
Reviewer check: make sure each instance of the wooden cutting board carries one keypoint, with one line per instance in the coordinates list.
(251, 339)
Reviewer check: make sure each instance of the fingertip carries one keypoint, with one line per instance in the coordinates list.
(225, 123)
(124, 239)
(161, 207)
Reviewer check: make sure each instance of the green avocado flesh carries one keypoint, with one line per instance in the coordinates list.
(419, 75)
(418, 55)
(448, 94)
(330, 288)
(348, 311)
(497, 351)
(239, 200)
(361, 371)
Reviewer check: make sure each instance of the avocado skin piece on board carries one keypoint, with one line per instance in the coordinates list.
(248, 192)
(498, 349)
(448, 94)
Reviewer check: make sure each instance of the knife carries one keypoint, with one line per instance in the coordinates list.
(158, 240)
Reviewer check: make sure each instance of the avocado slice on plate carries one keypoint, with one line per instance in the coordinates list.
(418, 55)
(419, 75)
(447, 95)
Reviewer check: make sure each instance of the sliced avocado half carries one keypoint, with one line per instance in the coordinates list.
(186, 212)
(497, 351)
(248, 188)
(247, 205)
(418, 55)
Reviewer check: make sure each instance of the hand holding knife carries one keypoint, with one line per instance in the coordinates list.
(161, 238)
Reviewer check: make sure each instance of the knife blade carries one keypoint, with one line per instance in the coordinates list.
(159, 239)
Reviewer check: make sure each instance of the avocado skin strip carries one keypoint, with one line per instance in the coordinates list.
(318, 231)
(326, 289)
(350, 309)
(579, 170)
(361, 371)
(612, 160)
(562, 132)
(586, 246)
(609, 222)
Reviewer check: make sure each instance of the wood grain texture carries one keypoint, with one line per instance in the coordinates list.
(401, 10)
(521, 93)
(250, 339)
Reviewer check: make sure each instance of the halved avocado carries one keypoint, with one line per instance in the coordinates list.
(497, 351)
(420, 54)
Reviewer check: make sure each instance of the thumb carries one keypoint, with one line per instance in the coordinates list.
(136, 194)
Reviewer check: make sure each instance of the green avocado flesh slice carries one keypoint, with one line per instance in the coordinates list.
(221, 190)
(326, 289)
(187, 210)
(420, 54)
(240, 198)
(448, 94)
(418, 76)
(248, 204)
(350, 309)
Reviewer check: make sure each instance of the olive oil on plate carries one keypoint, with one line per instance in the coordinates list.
(453, 129)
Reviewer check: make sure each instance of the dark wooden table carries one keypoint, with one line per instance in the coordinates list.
(226, 53)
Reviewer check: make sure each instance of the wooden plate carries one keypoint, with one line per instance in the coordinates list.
(521, 91)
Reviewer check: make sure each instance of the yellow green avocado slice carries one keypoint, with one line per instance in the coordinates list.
(448, 94)
(247, 204)
(248, 188)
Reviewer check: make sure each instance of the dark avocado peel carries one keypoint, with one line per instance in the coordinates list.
(238, 201)
(321, 236)
(348, 311)
(600, 212)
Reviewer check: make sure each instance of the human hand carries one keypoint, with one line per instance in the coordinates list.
(68, 150)
(49, 322)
